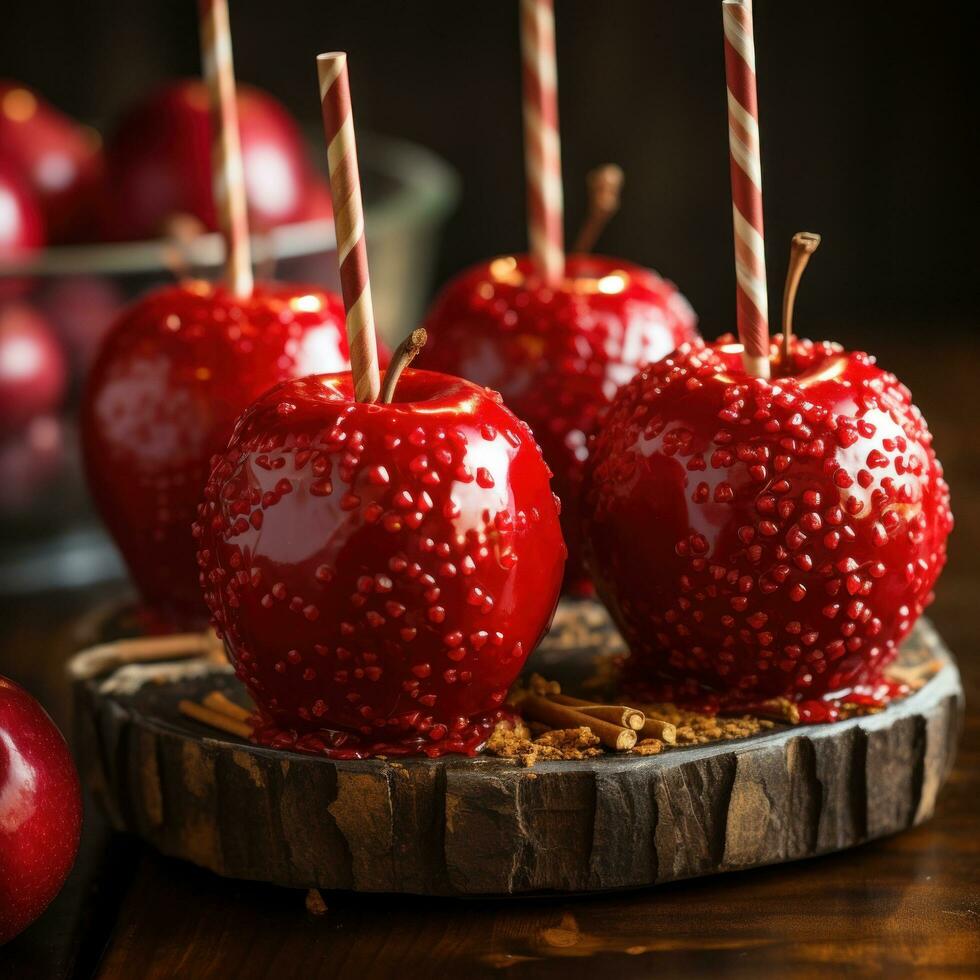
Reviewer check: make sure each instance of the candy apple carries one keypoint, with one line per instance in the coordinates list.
(380, 572)
(557, 355)
(40, 810)
(33, 373)
(159, 162)
(172, 375)
(757, 539)
(59, 158)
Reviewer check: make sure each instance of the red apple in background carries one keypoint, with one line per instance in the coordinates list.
(30, 461)
(170, 379)
(755, 539)
(557, 355)
(82, 309)
(40, 810)
(380, 571)
(159, 162)
(59, 158)
(21, 225)
(33, 374)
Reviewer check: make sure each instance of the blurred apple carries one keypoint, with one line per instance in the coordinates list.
(33, 373)
(159, 162)
(58, 157)
(81, 309)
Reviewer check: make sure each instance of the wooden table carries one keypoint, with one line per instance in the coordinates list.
(910, 904)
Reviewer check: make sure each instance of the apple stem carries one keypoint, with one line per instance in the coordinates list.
(803, 245)
(605, 185)
(180, 231)
(404, 354)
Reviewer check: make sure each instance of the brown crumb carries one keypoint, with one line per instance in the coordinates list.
(648, 746)
(553, 745)
(315, 904)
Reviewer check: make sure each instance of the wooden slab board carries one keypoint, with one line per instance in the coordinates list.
(486, 826)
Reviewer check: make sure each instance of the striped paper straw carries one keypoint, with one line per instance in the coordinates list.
(746, 170)
(226, 147)
(348, 216)
(542, 146)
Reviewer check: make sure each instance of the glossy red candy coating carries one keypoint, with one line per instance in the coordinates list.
(159, 162)
(556, 355)
(171, 377)
(382, 571)
(60, 159)
(755, 539)
(33, 372)
(40, 810)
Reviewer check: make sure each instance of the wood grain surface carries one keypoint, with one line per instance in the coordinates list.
(486, 826)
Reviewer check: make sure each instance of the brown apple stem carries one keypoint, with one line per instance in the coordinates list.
(605, 186)
(804, 244)
(404, 354)
(180, 230)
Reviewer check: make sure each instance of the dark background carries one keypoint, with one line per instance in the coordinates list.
(869, 125)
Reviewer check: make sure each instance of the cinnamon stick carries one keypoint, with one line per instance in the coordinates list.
(214, 719)
(658, 728)
(104, 657)
(562, 716)
(217, 701)
(618, 714)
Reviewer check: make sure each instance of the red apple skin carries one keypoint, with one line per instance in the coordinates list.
(556, 355)
(159, 162)
(21, 224)
(40, 810)
(58, 157)
(382, 571)
(170, 379)
(33, 372)
(757, 539)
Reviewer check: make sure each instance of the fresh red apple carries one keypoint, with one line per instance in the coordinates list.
(40, 810)
(170, 379)
(557, 355)
(380, 572)
(159, 162)
(33, 373)
(59, 158)
(21, 224)
(755, 539)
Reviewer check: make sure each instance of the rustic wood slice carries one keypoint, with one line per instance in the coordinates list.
(486, 826)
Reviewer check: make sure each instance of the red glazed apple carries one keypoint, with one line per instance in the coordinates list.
(171, 377)
(60, 159)
(159, 162)
(380, 572)
(40, 810)
(556, 355)
(33, 373)
(760, 538)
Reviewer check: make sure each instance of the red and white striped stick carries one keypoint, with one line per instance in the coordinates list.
(542, 145)
(746, 170)
(226, 149)
(348, 216)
